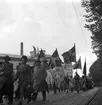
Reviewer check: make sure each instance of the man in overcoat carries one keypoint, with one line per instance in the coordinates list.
(39, 82)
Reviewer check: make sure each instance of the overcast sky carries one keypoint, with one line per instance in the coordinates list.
(47, 24)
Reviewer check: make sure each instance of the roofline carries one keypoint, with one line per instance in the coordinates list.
(19, 58)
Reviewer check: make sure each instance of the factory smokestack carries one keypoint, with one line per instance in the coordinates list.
(21, 51)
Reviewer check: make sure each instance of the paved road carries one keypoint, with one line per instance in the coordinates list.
(65, 99)
(97, 99)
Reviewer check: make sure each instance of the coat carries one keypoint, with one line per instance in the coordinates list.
(39, 76)
(7, 69)
(24, 73)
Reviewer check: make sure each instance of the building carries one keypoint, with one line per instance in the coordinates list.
(16, 59)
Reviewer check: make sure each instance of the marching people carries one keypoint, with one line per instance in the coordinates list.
(16, 85)
(71, 83)
(24, 75)
(83, 83)
(46, 66)
(77, 82)
(6, 80)
(54, 87)
(67, 83)
(39, 82)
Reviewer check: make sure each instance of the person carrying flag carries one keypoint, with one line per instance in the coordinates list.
(77, 82)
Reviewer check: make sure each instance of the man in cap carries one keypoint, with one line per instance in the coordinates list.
(24, 75)
(6, 76)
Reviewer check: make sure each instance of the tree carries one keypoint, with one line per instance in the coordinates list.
(96, 72)
(93, 18)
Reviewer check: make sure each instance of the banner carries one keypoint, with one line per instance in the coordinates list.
(84, 69)
(70, 56)
(78, 64)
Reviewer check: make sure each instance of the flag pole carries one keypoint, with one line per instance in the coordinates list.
(81, 66)
(86, 68)
(75, 51)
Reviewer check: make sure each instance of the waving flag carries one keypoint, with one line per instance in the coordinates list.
(84, 69)
(78, 64)
(66, 57)
(34, 50)
(41, 55)
(56, 59)
(70, 56)
(58, 62)
(51, 64)
(55, 54)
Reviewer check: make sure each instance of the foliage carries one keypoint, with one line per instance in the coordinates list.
(95, 72)
(93, 18)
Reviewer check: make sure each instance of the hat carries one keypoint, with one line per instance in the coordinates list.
(24, 57)
(7, 57)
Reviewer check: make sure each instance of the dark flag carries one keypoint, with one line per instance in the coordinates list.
(66, 57)
(70, 56)
(57, 60)
(34, 50)
(55, 54)
(78, 64)
(41, 55)
(84, 69)
(51, 64)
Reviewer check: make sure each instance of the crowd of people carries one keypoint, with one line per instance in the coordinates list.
(28, 81)
(70, 84)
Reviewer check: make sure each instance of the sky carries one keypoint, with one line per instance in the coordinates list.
(46, 24)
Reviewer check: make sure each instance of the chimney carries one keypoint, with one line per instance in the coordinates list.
(21, 51)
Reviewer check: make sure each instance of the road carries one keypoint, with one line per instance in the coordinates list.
(97, 100)
(65, 99)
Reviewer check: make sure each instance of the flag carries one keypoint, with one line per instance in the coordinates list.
(55, 54)
(34, 50)
(66, 57)
(70, 56)
(37, 50)
(84, 69)
(51, 64)
(41, 55)
(58, 62)
(78, 64)
(56, 59)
